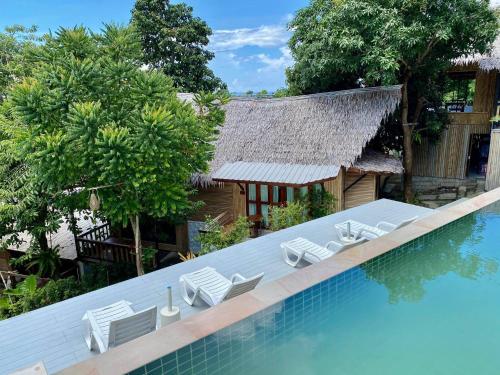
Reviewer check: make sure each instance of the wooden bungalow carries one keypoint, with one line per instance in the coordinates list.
(470, 147)
(268, 152)
(272, 150)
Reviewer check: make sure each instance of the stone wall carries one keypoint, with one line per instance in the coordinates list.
(434, 192)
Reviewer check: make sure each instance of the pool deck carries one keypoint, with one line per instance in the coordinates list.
(54, 334)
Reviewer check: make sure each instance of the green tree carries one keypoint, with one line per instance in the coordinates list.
(262, 94)
(25, 206)
(174, 41)
(282, 92)
(338, 44)
(92, 121)
(16, 43)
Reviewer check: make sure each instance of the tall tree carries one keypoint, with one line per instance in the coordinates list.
(337, 43)
(175, 41)
(16, 42)
(90, 120)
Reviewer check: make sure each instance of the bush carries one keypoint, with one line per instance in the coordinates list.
(281, 217)
(217, 237)
(27, 296)
(319, 203)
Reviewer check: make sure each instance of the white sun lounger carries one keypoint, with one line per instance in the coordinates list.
(214, 288)
(301, 249)
(359, 230)
(116, 324)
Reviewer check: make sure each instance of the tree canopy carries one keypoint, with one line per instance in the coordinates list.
(345, 43)
(175, 41)
(90, 120)
(15, 45)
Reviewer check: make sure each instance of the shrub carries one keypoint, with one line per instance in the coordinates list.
(27, 296)
(281, 217)
(217, 237)
(319, 203)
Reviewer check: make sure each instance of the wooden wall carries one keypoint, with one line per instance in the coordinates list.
(239, 201)
(364, 191)
(217, 200)
(447, 158)
(493, 176)
(336, 188)
(229, 198)
(485, 91)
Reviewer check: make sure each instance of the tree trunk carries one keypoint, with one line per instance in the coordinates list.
(41, 222)
(138, 244)
(43, 242)
(407, 144)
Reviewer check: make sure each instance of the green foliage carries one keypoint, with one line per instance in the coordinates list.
(348, 43)
(282, 92)
(262, 94)
(16, 45)
(281, 217)
(46, 262)
(319, 203)
(217, 237)
(174, 41)
(148, 258)
(89, 117)
(27, 296)
(338, 43)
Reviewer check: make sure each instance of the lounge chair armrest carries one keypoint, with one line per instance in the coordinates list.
(337, 246)
(237, 277)
(384, 225)
(361, 233)
(312, 255)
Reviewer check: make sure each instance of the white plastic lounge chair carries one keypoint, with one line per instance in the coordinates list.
(116, 324)
(359, 230)
(389, 227)
(214, 288)
(301, 249)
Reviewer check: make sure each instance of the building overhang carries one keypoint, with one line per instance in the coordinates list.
(275, 173)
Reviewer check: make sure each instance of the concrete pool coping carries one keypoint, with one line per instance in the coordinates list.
(146, 349)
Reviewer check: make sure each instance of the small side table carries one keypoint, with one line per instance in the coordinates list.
(167, 317)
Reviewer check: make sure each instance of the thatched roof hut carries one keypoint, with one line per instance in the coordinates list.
(485, 62)
(321, 130)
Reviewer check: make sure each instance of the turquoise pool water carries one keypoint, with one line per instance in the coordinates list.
(429, 307)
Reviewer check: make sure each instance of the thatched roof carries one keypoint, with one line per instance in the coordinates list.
(373, 161)
(488, 61)
(327, 129)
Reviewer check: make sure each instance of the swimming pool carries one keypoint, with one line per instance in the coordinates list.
(431, 306)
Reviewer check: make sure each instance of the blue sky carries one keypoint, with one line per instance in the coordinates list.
(249, 38)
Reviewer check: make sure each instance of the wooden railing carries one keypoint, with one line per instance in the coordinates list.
(92, 245)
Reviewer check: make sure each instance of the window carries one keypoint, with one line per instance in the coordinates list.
(459, 92)
(262, 196)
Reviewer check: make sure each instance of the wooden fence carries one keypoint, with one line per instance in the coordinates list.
(446, 158)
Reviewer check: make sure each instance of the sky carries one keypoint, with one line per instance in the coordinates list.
(249, 37)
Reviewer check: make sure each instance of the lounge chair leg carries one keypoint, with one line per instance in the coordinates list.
(288, 260)
(185, 294)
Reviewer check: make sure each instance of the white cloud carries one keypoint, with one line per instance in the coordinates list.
(263, 36)
(275, 64)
